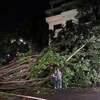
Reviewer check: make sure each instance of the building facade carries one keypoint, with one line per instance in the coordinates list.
(60, 12)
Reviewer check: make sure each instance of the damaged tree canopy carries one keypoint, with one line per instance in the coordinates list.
(13, 76)
(75, 42)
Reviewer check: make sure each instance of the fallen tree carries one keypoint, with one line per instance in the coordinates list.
(15, 77)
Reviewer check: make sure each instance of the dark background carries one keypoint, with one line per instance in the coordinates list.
(13, 12)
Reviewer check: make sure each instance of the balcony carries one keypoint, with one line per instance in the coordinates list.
(64, 7)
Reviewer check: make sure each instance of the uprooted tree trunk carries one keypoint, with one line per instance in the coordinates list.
(14, 75)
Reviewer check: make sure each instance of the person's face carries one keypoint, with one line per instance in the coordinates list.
(55, 71)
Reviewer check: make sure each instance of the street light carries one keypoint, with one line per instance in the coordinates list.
(21, 40)
(8, 55)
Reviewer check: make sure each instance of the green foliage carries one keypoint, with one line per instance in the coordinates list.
(6, 95)
(50, 58)
(82, 73)
(83, 69)
(53, 58)
(23, 55)
(36, 71)
(67, 76)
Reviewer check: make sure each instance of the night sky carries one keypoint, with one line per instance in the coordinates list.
(13, 12)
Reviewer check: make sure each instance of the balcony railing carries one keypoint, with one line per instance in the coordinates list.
(64, 7)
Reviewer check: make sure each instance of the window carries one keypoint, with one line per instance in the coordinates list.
(58, 26)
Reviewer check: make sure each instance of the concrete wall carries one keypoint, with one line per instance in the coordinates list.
(61, 18)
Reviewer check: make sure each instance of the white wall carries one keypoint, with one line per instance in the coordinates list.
(61, 18)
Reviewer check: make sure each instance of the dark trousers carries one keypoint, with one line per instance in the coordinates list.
(59, 84)
(55, 83)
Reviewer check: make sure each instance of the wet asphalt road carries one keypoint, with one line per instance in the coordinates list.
(69, 94)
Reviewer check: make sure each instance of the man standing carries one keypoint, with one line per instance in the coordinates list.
(59, 78)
